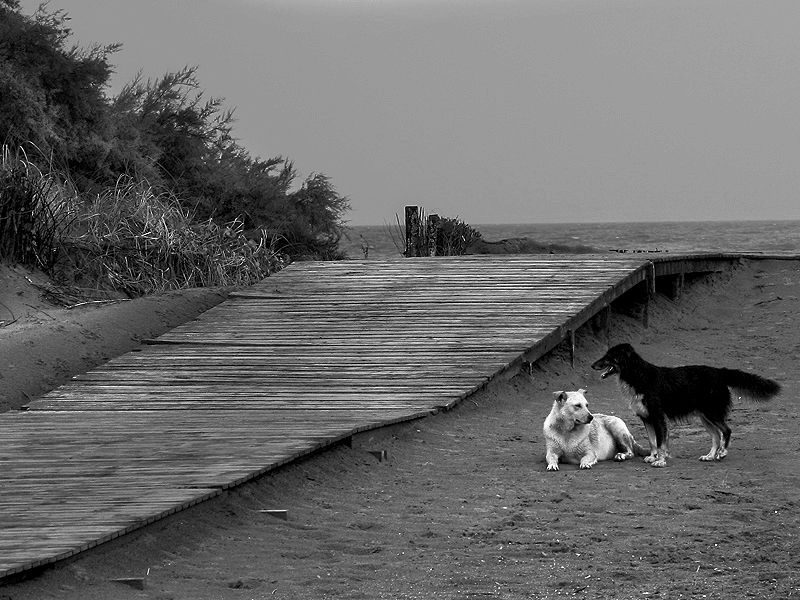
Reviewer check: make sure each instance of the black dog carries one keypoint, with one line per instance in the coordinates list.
(658, 394)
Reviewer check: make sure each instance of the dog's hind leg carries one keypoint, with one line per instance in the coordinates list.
(716, 439)
(626, 445)
(623, 440)
(588, 460)
(726, 439)
(720, 438)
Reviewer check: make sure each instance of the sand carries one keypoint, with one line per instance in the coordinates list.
(44, 344)
(463, 506)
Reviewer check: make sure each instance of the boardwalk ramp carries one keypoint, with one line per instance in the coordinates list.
(306, 358)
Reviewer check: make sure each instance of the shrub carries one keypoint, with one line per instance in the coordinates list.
(454, 237)
(164, 131)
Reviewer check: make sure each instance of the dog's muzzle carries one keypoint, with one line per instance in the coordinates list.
(608, 371)
(605, 368)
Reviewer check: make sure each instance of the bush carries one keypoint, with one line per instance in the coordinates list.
(52, 93)
(454, 237)
(163, 131)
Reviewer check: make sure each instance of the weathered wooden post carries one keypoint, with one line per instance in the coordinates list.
(677, 283)
(572, 347)
(651, 280)
(413, 227)
(650, 292)
(601, 323)
(432, 233)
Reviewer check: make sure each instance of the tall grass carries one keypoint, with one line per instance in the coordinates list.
(140, 241)
(129, 238)
(36, 211)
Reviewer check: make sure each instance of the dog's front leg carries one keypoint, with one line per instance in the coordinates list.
(651, 437)
(662, 444)
(552, 460)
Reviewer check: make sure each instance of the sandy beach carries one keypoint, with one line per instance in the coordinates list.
(463, 506)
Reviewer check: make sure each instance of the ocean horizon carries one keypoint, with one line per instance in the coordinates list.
(768, 236)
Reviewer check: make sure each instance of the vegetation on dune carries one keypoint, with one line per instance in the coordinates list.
(455, 237)
(128, 238)
(432, 235)
(527, 246)
(34, 212)
(145, 189)
(142, 242)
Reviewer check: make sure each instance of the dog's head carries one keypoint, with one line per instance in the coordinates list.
(613, 361)
(574, 407)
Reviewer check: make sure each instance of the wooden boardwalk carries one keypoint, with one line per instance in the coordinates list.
(306, 358)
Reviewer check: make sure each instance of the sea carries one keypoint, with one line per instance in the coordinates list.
(769, 237)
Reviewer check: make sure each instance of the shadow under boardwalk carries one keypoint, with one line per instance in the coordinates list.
(307, 357)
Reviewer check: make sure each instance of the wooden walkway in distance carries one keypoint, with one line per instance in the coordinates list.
(306, 358)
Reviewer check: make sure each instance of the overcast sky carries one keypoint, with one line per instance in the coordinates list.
(496, 111)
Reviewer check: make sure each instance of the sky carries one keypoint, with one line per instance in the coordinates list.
(495, 111)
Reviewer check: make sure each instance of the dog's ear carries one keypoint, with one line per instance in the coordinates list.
(561, 397)
(582, 391)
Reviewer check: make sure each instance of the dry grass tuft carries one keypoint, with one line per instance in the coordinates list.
(129, 238)
(36, 211)
(140, 241)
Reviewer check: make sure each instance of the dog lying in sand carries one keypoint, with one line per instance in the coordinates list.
(574, 435)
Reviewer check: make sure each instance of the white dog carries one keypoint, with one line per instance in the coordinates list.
(576, 436)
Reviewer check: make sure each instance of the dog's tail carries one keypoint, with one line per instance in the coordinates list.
(752, 386)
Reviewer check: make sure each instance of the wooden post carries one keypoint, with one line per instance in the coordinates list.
(601, 322)
(432, 233)
(677, 283)
(572, 347)
(646, 311)
(650, 292)
(413, 226)
(651, 280)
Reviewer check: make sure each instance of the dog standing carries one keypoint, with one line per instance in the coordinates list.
(576, 436)
(661, 394)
